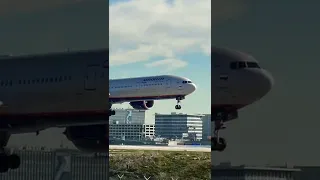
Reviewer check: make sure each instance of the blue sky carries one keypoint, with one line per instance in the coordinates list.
(155, 38)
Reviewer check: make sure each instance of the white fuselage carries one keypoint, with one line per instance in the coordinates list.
(53, 84)
(53, 90)
(149, 88)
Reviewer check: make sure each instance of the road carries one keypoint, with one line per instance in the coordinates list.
(160, 148)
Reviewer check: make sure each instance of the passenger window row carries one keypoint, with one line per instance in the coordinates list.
(153, 79)
(120, 87)
(243, 64)
(158, 84)
(145, 85)
(35, 81)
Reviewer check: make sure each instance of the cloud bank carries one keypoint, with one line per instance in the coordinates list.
(142, 30)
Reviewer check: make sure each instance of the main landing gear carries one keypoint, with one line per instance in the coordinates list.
(218, 143)
(218, 119)
(111, 112)
(179, 98)
(7, 161)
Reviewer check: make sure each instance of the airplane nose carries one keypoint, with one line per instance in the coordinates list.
(192, 87)
(269, 80)
(266, 82)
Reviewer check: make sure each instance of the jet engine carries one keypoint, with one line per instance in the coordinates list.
(93, 138)
(142, 105)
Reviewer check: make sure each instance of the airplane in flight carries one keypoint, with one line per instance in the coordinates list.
(237, 81)
(141, 92)
(67, 89)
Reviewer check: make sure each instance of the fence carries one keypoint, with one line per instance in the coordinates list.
(59, 164)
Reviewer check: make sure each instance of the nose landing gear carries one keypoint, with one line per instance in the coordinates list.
(218, 143)
(179, 98)
(219, 117)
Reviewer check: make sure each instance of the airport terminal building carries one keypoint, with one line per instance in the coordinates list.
(178, 126)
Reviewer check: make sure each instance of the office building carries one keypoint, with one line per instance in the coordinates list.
(126, 131)
(149, 131)
(131, 131)
(178, 126)
(128, 116)
(206, 126)
(127, 124)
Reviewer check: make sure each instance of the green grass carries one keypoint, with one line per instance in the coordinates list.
(135, 164)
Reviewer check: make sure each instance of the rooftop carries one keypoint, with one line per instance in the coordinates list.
(179, 114)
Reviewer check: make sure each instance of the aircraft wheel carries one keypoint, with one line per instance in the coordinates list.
(4, 163)
(112, 112)
(218, 145)
(178, 107)
(14, 161)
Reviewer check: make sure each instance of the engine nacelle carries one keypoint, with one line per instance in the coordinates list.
(94, 138)
(142, 105)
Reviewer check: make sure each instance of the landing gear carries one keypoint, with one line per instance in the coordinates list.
(218, 119)
(179, 98)
(111, 112)
(218, 143)
(7, 161)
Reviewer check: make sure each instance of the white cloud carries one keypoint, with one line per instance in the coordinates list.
(140, 30)
(170, 64)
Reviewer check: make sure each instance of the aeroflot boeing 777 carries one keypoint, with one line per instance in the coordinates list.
(141, 92)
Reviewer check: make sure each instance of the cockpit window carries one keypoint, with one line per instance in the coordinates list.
(253, 65)
(238, 65)
(243, 64)
(184, 82)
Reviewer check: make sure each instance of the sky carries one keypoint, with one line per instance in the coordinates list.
(39, 26)
(163, 37)
(283, 126)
